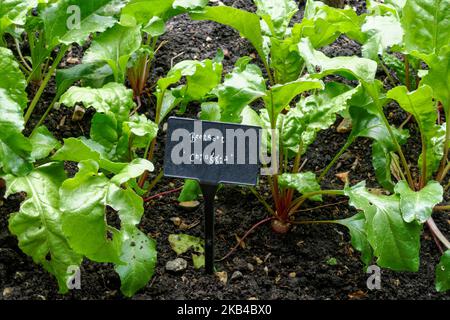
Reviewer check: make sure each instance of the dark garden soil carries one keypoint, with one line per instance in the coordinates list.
(271, 266)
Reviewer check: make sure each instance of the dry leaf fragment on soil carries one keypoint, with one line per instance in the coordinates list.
(343, 176)
(357, 295)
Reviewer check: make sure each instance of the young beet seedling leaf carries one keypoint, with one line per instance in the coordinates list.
(277, 14)
(247, 23)
(201, 78)
(141, 12)
(368, 123)
(91, 75)
(191, 191)
(13, 80)
(115, 47)
(438, 76)
(357, 227)
(113, 97)
(280, 96)
(81, 149)
(418, 205)
(190, 4)
(319, 65)
(85, 199)
(304, 182)
(285, 60)
(315, 113)
(240, 88)
(15, 149)
(378, 39)
(13, 13)
(420, 104)
(92, 18)
(139, 253)
(323, 24)
(38, 224)
(395, 242)
(427, 25)
(43, 143)
(142, 128)
(443, 273)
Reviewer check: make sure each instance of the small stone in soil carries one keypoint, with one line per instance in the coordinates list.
(189, 205)
(250, 267)
(236, 275)
(7, 292)
(223, 276)
(177, 265)
(258, 260)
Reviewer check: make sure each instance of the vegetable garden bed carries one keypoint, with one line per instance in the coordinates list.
(66, 203)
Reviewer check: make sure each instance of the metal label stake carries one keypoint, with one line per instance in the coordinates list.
(209, 193)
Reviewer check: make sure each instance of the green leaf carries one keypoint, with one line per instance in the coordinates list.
(43, 143)
(190, 4)
(13, 13)
(420, 104)
(324, 24)
(427, 25)
(15, 149)
(319, 65)
(91, 74)
(379, 39)
(115, 47)
(277, 14)
(304, 182)
(191, 191)
(139, 254)
(356, 225)
(367, 123)
(198, 260)
(313, 114)
(201, 78)
(182, 243)
(81, 149)
(143, 130)
(395, 242)
(104, 130)
(285, 59)
(247, 23)
(210, 111)
(438, 76)
(280, 96)
(152, 15)
(85, 201)
(133, 170)
(443, 273)
(240, 88)
(113, 97)
(13, 80)
(38, 223)
(61, 25)
(418, 206)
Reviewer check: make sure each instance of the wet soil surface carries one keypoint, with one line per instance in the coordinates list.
(310, 262)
